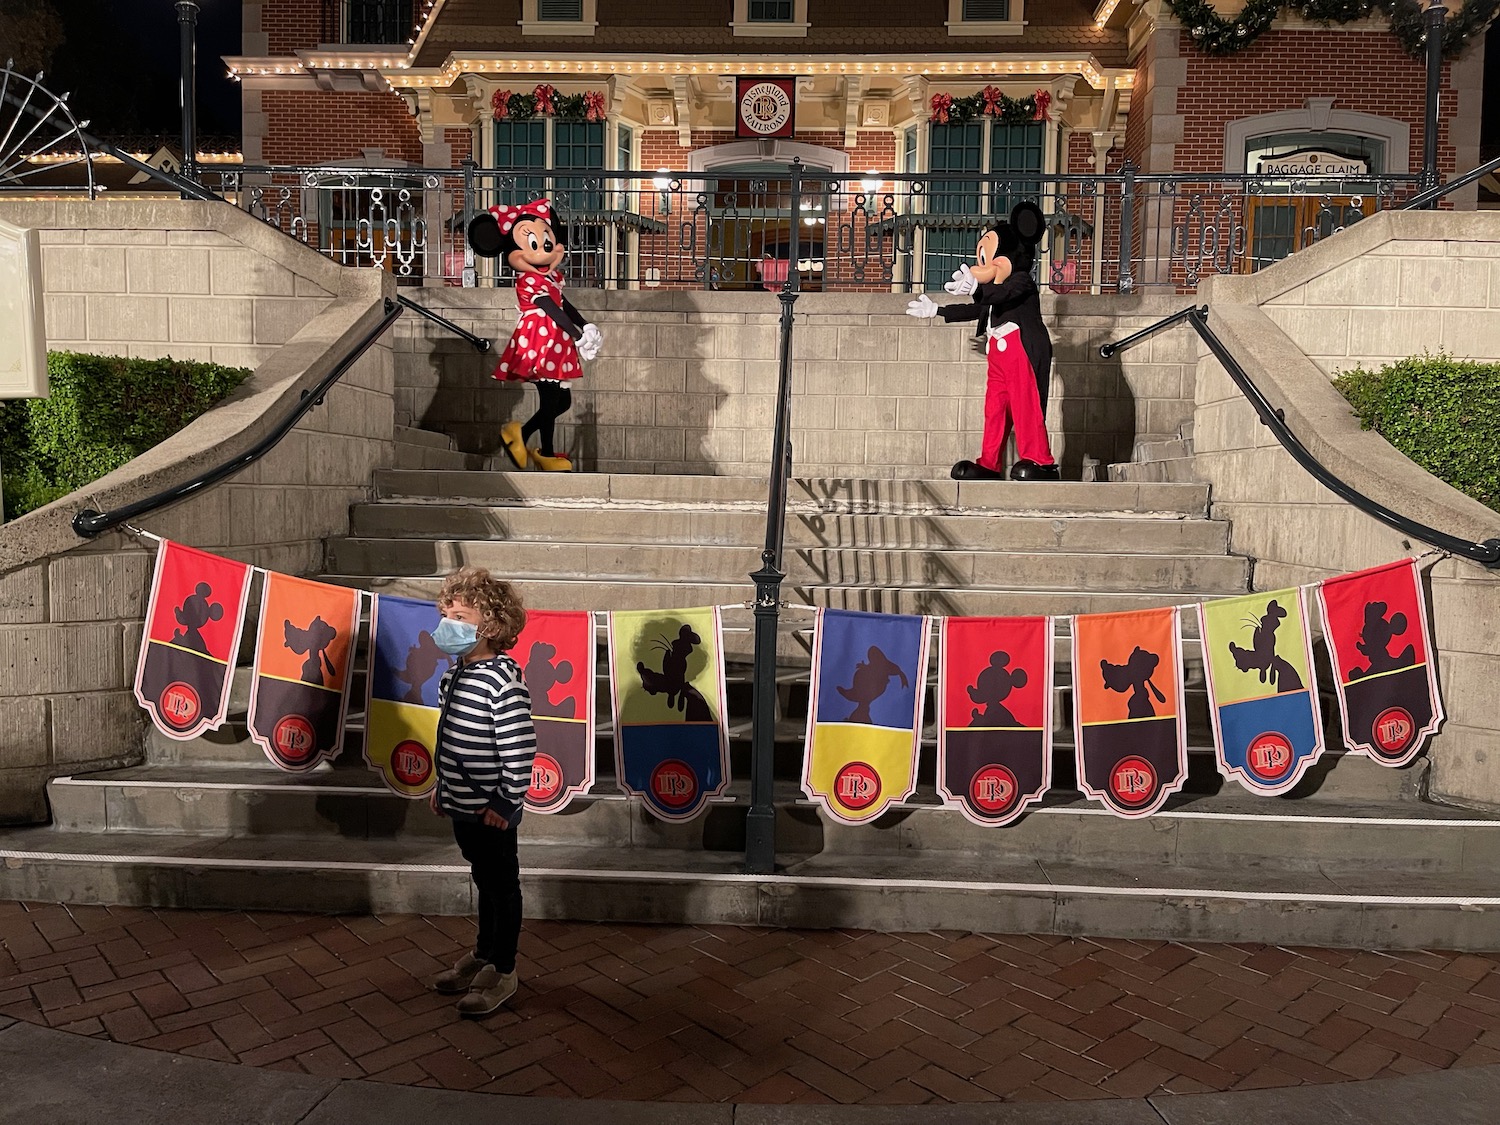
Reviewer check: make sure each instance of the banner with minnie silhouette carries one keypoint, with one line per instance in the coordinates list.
(1375, 622)
(1262, 698)
(1129, 720)
(299, 684)
(864, 717)
(194, 620)
(994, 696)
(402, 700)
(556, 654)
(667, 696)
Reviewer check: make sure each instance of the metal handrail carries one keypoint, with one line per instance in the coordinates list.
(1433, 194)
(479, 342)
(1486, 554)
(89, 523)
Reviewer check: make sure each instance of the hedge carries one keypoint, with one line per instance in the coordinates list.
(1441, 412)
(102, 412)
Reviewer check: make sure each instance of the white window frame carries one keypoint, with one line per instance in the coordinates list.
(957, 25)
(532, 25)
(795, 28)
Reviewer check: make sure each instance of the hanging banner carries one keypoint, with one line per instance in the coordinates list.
(194, 621)
(765, 107)
(864, 720)
(556, 654)
(1257, 655)
(1375, 622)
(1128, 715)
(667, 695)
(994, 694)
(403, 702)
(299, 686)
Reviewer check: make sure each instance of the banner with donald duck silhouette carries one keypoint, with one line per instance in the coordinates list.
(556, 654)
(402, 700)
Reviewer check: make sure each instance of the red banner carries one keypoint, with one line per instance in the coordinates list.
(765, 107)
(193, 625)
(556, 653)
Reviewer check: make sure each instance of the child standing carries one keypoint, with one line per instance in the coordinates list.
(485, 746)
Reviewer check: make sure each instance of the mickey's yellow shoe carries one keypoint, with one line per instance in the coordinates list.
(558, 464)
(515, 447)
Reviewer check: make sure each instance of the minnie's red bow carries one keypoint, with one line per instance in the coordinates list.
(508, 217)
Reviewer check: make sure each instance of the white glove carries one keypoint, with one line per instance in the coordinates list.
(924, 307)
(590, 342)
(963, 283)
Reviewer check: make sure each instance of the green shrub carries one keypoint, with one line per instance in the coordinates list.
(1441, 412)
(102, 411)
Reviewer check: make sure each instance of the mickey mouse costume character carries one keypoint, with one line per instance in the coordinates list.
(552, 337)
(1009, 310)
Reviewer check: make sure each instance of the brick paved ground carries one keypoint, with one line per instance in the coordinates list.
(713, 1013)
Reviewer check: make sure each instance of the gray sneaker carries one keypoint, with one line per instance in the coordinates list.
(490, 990)
(460, 977)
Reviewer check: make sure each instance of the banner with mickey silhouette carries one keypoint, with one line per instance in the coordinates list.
(1375, 622)
(994, 695)
(299, 684)
(1257, 656)
(194, 620)
(667, 695)
(864, 718)
(556, 654)
(1128, 715)
(402, 699)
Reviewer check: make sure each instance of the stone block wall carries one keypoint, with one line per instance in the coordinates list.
(190, 280)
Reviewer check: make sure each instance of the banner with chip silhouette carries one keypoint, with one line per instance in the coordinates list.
(666, 673)
(299, 685)
(864, 719)
(403, 701)
(1375, 622)
(194, 621)
(1257, 656)
(1129, 720)
(556, 654)
(994, 696)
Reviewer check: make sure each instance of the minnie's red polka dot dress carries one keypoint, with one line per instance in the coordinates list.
(538, 348)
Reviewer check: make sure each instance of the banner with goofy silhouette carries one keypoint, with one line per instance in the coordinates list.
(299, 685)
(1128, 715)
(864, 719)
(193, 624)
(556, 654)
(1257, 656)
(1375, 622)
(402, 702)
(667, 693)
(994, 696)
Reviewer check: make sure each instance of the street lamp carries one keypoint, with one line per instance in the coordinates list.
(187, 27)
(1433, 17)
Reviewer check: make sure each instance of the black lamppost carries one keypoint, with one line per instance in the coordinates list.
(187, 26)
(1432, 23)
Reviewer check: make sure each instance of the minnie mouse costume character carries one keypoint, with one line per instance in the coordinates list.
(551, 339)
(1009, 310)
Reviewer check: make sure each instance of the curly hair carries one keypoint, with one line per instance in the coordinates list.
(495, 599)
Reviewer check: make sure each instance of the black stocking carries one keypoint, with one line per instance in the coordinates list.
(554, 399)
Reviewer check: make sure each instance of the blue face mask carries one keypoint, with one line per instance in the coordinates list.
(456, 638)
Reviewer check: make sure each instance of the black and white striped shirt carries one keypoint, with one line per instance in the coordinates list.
(485, 740)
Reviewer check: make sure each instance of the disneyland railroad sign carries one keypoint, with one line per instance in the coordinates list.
(765, 107)
(23, 345)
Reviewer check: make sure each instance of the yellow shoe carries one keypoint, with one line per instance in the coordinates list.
(515, 447)
(558, 464)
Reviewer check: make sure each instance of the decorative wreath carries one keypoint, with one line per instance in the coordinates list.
(990, 102)
(1216, 35)
(545, 101)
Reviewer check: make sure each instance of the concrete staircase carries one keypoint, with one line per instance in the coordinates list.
(425, 449)
(210, 823)
(1160, 459)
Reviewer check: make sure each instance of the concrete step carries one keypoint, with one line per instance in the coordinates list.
(428, 439)
(425, 450)
(1162, 450)
(1185, 431)
(1177, 469)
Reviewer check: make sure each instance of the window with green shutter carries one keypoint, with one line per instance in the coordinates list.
(952, 148)
(519, 147)
(770, 11)
(1015, 165)
(986, 11)
(559, 11)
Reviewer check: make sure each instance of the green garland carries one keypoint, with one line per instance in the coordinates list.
(1216, 35)
(946, 109)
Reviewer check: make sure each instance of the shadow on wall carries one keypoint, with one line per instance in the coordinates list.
(1097, 412)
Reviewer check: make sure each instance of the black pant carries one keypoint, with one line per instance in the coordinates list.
(553, 401)
(495, 867)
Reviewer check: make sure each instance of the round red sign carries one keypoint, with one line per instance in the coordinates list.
(180, 705)
(856, 786)
(1393, 730)
(411, 763)
(293, 738)
(1269, 756)
(546, 780)
(1133, 781)
(674, 784)
(993, 789)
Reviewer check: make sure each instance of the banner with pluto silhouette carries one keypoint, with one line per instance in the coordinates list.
(1257, 656)
(556, 654)
(864, 718)
(1375, 622)
(194, 620)
(403, 701)
(299, 684)
(666, 674)
(1128, 715)
(994, 697)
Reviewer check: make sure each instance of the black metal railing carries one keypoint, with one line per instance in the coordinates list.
(1430, 197)
(1486, 554)
(479, 342)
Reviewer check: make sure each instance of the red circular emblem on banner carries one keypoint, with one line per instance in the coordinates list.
(293, 739)
(857, 786)
(546, 780)
(1269, 756)
(411, 763)
(179, 704)
(1393, 730)
(1133, 781)
(674, 784)
(994, 789)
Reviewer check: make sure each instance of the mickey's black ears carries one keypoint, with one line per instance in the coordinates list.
(485, 236)
(1027, 220)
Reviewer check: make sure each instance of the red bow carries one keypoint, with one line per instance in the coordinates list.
(1043, 100)
(593, 106)
(499, 104)
(508, 217)
(940, 106)
(544, 94)
(992, 100)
